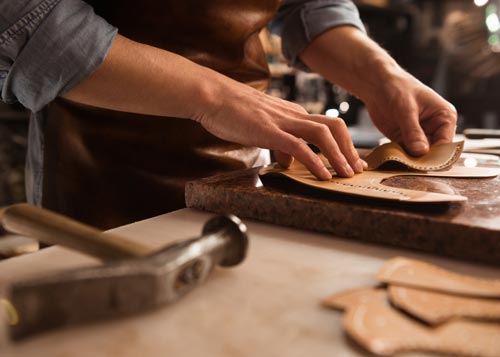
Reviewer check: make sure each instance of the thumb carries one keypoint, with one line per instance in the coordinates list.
(415, 140)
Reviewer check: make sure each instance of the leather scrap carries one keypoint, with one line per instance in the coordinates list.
(383, 330)
(417, 274)
(400, 319)
(13, 245)
(436, 307)
(352, 297)
(370, 183)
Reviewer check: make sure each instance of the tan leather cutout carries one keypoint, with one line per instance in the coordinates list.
(383, 330)
(435, 308)
(414, 273)
(370, 183)
(439, 157)
(13, 245)
(350, 298)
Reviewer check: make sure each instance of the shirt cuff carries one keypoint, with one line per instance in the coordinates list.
(66, 47)
(298, 25)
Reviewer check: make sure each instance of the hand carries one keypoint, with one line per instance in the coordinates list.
(412, 114)
(405, 110)
(241, 114)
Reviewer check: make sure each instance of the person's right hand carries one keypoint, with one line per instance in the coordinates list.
(244, 115)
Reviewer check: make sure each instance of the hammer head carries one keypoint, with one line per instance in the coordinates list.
(235, 232)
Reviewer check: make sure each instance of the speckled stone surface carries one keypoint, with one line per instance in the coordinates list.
(468, 231)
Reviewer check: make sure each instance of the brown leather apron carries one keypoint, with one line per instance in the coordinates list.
(109, 168)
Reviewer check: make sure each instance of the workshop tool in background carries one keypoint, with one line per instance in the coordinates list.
(481, 133)
(135, 279)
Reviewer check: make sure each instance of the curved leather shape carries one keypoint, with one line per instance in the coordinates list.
(436, 307)
(420, 275)
(109, 168)
(439, 157)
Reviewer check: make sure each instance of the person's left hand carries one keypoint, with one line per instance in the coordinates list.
(412, 114)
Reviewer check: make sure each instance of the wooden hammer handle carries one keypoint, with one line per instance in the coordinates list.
(52, 228)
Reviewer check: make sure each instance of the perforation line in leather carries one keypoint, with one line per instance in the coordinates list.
(381, 189)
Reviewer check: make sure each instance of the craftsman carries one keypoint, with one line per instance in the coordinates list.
(129, 104)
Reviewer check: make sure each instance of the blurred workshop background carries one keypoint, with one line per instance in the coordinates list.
(451, 45)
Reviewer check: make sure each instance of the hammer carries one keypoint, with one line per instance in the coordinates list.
(133, 280)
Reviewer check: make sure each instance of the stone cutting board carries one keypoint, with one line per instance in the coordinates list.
(468, 230)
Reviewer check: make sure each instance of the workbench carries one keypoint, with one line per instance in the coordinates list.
(268, 306)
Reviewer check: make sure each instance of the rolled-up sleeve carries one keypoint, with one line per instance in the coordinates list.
(47, 47)
(298, 22)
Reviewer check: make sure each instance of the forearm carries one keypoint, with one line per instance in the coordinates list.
(348, 57)
(138, 78)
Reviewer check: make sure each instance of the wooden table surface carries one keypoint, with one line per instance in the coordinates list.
(268, 306)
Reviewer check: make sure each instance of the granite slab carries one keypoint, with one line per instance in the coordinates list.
(466, 231)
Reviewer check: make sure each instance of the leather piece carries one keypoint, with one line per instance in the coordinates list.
(347, 299)
(436, 308)
(381, 329)
(373, 320)
(370, 183)
(439, 157)
(417, 274)
(108, 168)
(489, 146)
(13, 245)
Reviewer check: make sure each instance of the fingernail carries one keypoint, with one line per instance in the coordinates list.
(419, 147)
(348, 169)
(364, 163)
(358, 166)
(326, 175)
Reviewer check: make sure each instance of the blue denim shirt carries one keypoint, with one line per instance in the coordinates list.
(49, 46)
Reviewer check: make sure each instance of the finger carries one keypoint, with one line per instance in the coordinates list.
(321, 136)
(414, 138)
(341, 134)
(444, 132)
(297, 148)
(283, 159)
